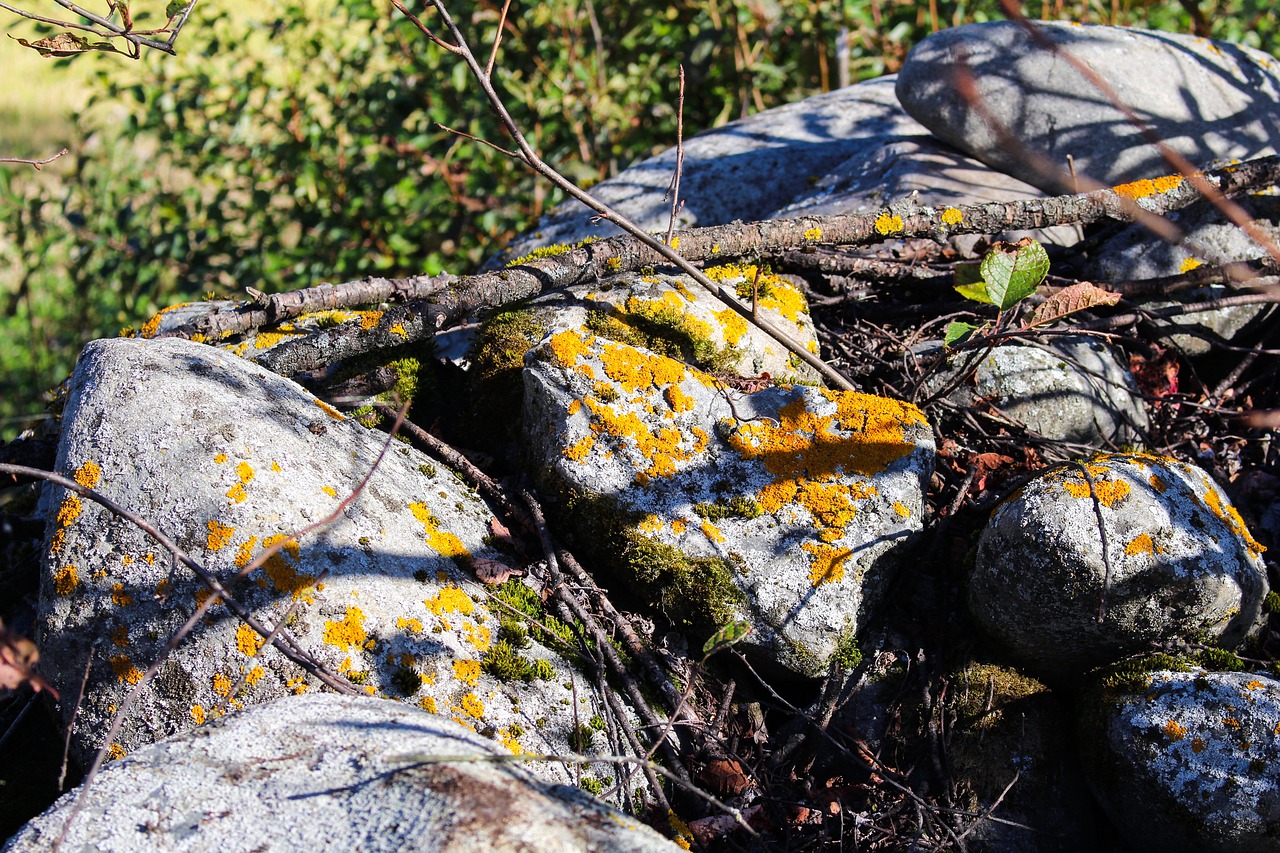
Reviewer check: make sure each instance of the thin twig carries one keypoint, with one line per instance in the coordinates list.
(35, 164)
(673, 190)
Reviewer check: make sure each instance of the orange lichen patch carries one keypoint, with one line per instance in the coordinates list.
(245, 552)
(428, 704)
(349, 632)
(1158, 484)
(676, 399)
(575, 407)
(267, 339)
(636, 370)
(1231, 722)
(732, 324)
(467, 671)
(115, 752)
(219, 535)
(330, 491)
(275, 466)
(511, 740)
(120, 597)
(1144, 187)
(952, 216)
(1140, 544)
(221, 684)
(329, 410)
(568, 347)
(472, 705)
(580, 449)
(662, 447)
(414, 625)
(254, 675)
(220, 458)
(888, 223)
(202, 595)
(65, 580)
(197, 714)
(442, 541)
(280, 568)
(478, 636)
(69, 510)
(124, 669)
(369, 319)
(1198, 744)
(248, 641)
(711, 531)
(88, 475)
(1108, 492)
(399, 331)
(786, 300)
(451, 599)
(679, 525)
(120, 636)
(1188, 264)
(1174, 732)
(831, 503)
(1255, 684)
(827, 565)
(150, 327)
(1231, 516)
(901, 509)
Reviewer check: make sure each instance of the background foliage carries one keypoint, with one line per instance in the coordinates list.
(297, 142)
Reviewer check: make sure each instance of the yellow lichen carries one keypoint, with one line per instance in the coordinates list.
(349, 632)
(329, 410)
(428, 704)
(120, 636)
(471, 704)
(1145, 187)
(1174, 731)
(65, 580)
(478, 636)
(399, 331)
(88, 474)
(444, 542)
(69, 511)
(636, 370)
(1188, 264)
(613, 264)
(1108, 492)
(221, 684)
(827, 565)
(451, 599)
(330, 491)
(219, 535)
(467, 671)
(414, 625)
(580, 449)
(220, 458)
(711, 531)
(124, 669)
(254, 675)
(732, 324)
(888, 223)
(197, 714)
(676, 399)
(115, 752)
(1140, 544)
(952, 216)
(567, 346)
(901, 509)
(120, 597)
(244, 553)
(814, 234)
(279, 566)
(369, 319)
(248, 641)
(1231, 516)
(152, 326)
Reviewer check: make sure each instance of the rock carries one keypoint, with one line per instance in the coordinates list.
(325, 772)
(788, 509)
(927, 173)
(1206, 99)
(1186, 760)
(1178, 561)
(1132, 255)
(1010, 741)
(743, 170)
(227, 459)
(1069, 389)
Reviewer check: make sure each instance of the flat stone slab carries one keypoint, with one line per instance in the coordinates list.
(1206, 99)
(1178, 561)
(788, 508)
(228, 459)
(1185, 761)
(326, 772)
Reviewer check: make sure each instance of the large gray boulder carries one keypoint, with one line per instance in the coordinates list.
(227, 459)
(1206, 99)
(1075, 571)
(789, 508)
(325, 772)
(1184, 760)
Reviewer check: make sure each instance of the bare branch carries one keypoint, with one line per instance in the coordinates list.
(35, 164)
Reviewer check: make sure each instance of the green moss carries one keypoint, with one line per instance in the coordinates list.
(581, 738)
(596, 722)
(504, 659)
(592, 785)
(1131, 676)
(408, 373)
(504, 662)
(1219, 660)
(356, 677)
(1271, 603)
(847, 655)
(541, 252)
(495, 387)
(406, 680)
(427, 470)
(739, 506)
(367, 416)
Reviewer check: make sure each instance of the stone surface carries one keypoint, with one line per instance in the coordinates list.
(926, 172)
(744, 170)
(1066, 389)
(325, 772)
(1186, 761)
(1133, 254)
(227, 458)
(788, 508)
(1206, 99)
(1178, 561)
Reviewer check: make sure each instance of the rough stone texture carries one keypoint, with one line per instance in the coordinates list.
(228, 458)
(923, 171)
(1186, 761)
(1178, 561)
(787, 508)
(325, 772)
(1133, 255)
(1204, 98)
(1068, 389)
(744, 170)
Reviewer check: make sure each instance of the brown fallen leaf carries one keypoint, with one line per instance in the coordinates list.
(18, 658)
(493, 571)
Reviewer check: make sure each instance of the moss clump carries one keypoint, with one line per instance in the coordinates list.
(847, 655)
(581, 738)
(496, 390)
(504, 660)
(592, 785)
(1271, 604)
(739, 506)
(1219, 660)
(696, 593)
(1131, 676)
(406, 680)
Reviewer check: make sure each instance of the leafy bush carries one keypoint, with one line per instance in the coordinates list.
(275, 153)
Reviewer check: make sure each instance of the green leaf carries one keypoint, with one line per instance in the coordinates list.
(727, 636)
(1013, 271)
(957, 332)
(977, 292)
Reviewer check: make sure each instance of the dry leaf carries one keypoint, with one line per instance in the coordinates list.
(18, 657)
(492, 571)
(1078, 297)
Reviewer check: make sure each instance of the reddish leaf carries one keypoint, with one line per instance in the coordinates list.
(1156, 376)
(725, 777)
(1069, 300)
(18, 657)
(492, 571)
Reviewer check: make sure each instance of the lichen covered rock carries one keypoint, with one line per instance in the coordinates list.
(1091, 561)
(788, 508)
(228, 460)
(327, 772)
(1186, 760)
